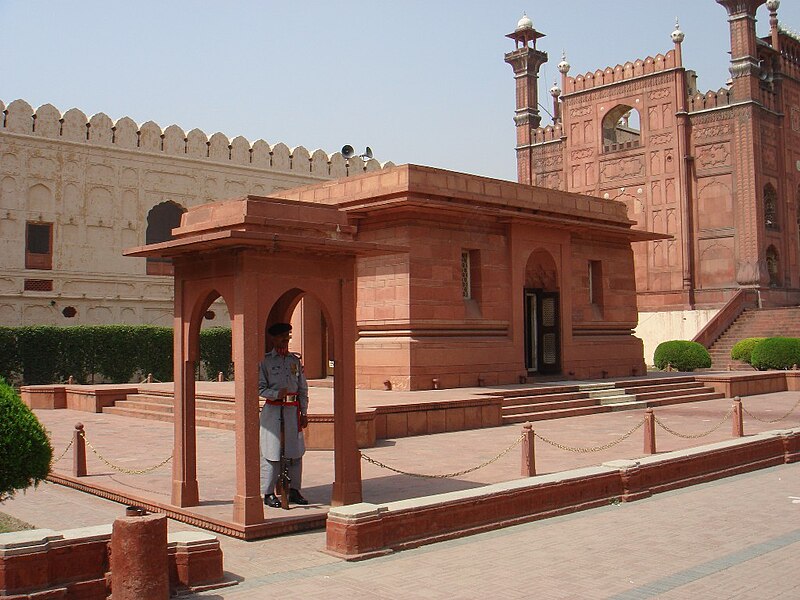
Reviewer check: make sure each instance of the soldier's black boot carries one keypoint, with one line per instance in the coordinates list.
(296, 497)
(272, 501)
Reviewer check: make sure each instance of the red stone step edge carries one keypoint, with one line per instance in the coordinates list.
(43, 561)
(271, 527)
(364, 530)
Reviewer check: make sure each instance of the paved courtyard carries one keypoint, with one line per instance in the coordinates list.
(733, 538)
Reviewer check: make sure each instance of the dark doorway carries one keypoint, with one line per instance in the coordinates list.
(542, 332)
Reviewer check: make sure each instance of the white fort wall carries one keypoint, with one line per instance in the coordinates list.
(96, 181)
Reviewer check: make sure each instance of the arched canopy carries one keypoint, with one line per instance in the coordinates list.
(261, 255)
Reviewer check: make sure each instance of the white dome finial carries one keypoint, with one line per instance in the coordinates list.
(564, 66)
(555, 91)
(773, 5)
(678, 36)
(524, 23)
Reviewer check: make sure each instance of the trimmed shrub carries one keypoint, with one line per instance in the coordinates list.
(215, 351)
(39, 353)
(744, 348)
(155, 351)
(683, 355)
(24, 446)
(50, 354)
(9, 354)
(119, 349)
(776, 353)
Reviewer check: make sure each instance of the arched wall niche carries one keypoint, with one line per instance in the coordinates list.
(541, 271)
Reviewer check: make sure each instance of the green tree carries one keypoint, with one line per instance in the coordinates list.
(25, 451)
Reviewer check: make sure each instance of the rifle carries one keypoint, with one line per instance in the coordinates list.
(284, 481)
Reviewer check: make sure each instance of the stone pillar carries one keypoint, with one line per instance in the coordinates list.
(738, 418)
(347, 458)
(528, 461)
(139, 567)
(685, 175)
(649, 432)
(246, 331)
(78, 451)
(184, 459)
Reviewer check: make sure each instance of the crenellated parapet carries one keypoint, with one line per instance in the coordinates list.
(99, 130)
(551, 133)
(711, 99)
(630, 70)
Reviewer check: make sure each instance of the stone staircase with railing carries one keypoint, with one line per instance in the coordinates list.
(753, 322)
(559, 401)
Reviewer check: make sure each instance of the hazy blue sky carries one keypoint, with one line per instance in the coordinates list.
(419, 81)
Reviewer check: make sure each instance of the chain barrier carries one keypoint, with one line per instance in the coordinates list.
(587, 450)
(64, 453)
(695, 435)
(377, 463)
(791, 410)
(122, 469)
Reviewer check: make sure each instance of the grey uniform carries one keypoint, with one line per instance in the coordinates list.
(274, 373)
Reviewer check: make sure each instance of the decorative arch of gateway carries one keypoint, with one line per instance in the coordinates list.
(421, 277)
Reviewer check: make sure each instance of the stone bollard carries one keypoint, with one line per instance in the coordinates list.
(139, 566)
(738, 418)
(649, 432)
(528, 461)
(78, 451)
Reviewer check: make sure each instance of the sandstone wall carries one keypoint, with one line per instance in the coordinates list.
(96, 180)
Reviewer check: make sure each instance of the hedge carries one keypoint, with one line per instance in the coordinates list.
(47, 354)
(682, 355)
(24, 446)
(216, 351)
(776, 353)
(743, 349)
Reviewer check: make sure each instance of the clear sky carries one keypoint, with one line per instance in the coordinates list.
(420, 81)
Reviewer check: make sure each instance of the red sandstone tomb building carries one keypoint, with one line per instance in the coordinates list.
(500, 280)
(718, 171)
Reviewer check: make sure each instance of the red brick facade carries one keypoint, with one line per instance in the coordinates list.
(719, 172)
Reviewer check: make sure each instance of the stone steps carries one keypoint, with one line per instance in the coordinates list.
(764, 322)
(201, 420)
(593, 398)
(158, 406)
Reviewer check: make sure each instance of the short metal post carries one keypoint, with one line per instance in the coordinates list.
(528, 462)
(649, 432)
(738, 418)
(78, 451)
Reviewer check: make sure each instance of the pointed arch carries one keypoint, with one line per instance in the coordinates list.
(621, 128)
(161, 220)
(771, 220)
(773, 267)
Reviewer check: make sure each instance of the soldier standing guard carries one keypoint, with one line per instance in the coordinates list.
(283, 388)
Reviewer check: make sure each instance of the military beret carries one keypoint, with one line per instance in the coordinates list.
(279, 328)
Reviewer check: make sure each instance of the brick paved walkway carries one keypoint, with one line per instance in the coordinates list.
(734, 538)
